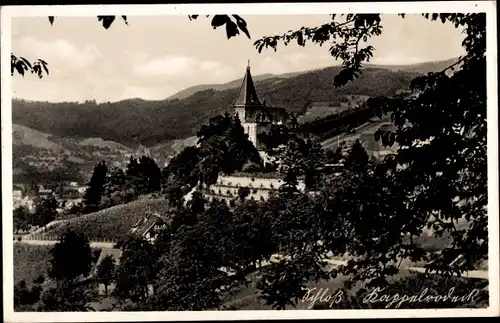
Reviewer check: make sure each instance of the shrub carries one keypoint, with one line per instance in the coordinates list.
(40, 280)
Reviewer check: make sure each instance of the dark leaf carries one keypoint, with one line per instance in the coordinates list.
(20, 67)
(36, 69)
(242, 25)
(51, 20)
(44, 65)
(300, 39)
(231, 29)
(106, 20)
(125, 19)
(26, 61)
(219, 20)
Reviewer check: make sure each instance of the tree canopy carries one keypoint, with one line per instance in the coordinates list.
(71, 257)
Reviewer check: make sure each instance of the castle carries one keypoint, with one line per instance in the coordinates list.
(255, 117)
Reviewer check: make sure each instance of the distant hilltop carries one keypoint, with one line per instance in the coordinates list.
(417, 68)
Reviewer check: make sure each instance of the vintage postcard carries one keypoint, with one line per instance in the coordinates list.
(249, 161)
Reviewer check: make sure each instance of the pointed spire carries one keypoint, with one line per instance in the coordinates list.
(247, 96)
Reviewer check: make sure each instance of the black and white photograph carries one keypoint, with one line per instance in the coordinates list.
(249, 161)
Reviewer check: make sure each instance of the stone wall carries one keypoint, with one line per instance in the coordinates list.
(260, 188)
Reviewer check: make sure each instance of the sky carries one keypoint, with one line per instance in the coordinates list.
(154, 57)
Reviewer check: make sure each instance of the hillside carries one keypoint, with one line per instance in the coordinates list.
(25, 136)
(229, 85)
(172, 147)
(137, 121)
(134, 122)
(112, 223)
(421, 68)
(99, 142)
(43, 157)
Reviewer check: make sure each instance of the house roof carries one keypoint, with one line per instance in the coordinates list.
(146, 223)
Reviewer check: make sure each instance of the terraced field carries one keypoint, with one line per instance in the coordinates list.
(110, 224)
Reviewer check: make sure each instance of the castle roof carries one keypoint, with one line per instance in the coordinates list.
(256, 112)
(247, 96)
(265, 115)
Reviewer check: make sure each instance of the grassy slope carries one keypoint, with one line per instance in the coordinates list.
(22, 135)
(30, 261)
(112, 223)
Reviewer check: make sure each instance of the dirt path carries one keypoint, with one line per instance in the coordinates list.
(93, 244)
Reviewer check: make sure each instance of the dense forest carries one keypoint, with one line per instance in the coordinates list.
(135, 121)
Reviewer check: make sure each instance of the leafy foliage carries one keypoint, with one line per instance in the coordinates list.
(66, 297)
(71, 257)
(296, 227)
(145, 174)
(181, 174)
(45, 210)
(442, 157)
(25, 295)
(296, 156)
(224, 147)
(136, 270)
(106, 272)
(357, 159)
(345, 35)
(93, 194)
(21, 65)
(21, 219)
(233, 24)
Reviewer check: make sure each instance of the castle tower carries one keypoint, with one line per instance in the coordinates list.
(247, 97)
(255, 117)
(249, 109)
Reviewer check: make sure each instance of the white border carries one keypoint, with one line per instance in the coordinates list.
(248, 9)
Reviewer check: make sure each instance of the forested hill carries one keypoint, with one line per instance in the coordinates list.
(225, 86)
(135, 121)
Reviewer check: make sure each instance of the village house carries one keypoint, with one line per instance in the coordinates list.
(44, 191)
(149, 226)
(17, 195)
